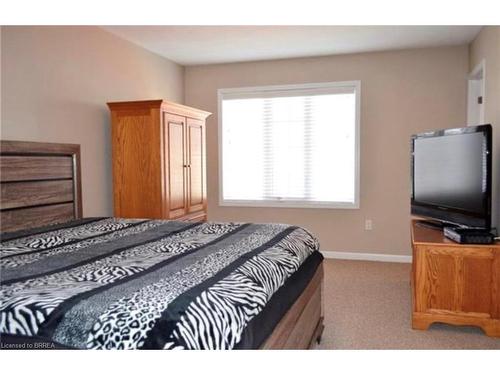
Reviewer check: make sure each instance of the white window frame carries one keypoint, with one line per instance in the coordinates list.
(289, 203)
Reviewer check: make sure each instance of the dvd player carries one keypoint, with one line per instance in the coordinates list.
(469, 235)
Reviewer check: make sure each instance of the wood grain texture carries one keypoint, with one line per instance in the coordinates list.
(196, 217)
(164, 105)
(301, 333)
(35, 176)
(38, 148)
(136, 166)
(159, 166)
(302, 324)
(184, 110)
(38, 216)
(477, 272)
(177, 165)
(440, 292)
(423, 321)
(197, 195)
(495, 287)
(23, 194)
(454, 283)
(23, 168)
(422, 235)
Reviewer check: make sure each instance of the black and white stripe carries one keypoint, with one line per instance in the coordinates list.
(217, 317)
(154, 284)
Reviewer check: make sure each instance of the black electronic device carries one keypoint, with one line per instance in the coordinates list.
(451, 173)
(469, 236)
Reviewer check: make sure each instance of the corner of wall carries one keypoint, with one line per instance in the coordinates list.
(184, 96)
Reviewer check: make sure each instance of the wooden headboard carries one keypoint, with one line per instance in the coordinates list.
(40, 184)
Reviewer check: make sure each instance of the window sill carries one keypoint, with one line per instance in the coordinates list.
(289, 204)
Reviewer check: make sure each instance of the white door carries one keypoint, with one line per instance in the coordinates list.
(475, 96)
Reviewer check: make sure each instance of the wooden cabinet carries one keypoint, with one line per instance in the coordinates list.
(196, 165)
(454, 283)
(159, 164)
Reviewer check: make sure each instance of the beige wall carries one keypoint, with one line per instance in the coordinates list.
(486, 47)
(402, 92)
(56, 81)
(0, 78)
(1, 105)
(55, 85)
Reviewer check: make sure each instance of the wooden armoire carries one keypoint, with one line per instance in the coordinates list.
(159, 166)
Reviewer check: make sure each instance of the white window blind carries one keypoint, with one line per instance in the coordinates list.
(290, 146)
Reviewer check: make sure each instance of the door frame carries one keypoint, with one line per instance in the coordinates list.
(478, 73)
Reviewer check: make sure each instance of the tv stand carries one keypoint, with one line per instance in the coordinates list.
(454, 283)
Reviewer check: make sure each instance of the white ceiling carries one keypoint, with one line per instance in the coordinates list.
(196, 45)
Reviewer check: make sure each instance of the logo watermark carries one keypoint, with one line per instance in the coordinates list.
(27, 345)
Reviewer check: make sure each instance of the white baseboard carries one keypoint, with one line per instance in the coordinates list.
(367, 256)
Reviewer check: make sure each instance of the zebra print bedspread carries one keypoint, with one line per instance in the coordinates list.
(107, 283)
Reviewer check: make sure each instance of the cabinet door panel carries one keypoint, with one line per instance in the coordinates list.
(175, 164)
(459, 283)
(196, 163)
(136, 166)
(495, 285)
(440, 281)
(477, 284)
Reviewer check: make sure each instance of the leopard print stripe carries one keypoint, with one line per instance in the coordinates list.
(65, 236)
(60, 287)
(9, 236)
(30, 264)
(118, 289)
(98, 257)
(88, 310)
(232, 302)
(142, 310)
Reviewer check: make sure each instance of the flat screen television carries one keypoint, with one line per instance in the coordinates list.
(451, 176)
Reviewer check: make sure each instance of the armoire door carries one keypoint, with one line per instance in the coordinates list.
(196, 192)
(175, 164)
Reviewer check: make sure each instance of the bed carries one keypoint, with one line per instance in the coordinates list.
(111, 283)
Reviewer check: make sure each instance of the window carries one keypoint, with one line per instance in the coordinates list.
(290, 146)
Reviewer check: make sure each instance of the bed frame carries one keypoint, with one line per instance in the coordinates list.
(302, 326)
(41, 185)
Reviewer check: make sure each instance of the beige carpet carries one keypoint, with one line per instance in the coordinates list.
(368, 306)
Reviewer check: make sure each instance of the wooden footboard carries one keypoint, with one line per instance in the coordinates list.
(302, 325)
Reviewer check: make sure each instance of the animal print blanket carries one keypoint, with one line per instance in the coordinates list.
(106, 283)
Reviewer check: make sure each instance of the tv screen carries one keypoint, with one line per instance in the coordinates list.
(451, 172)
